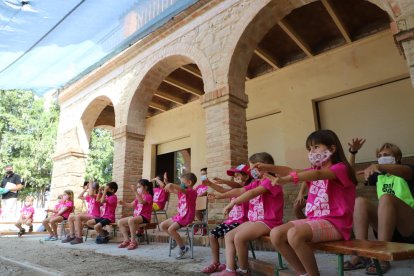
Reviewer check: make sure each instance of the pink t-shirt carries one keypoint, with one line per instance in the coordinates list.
(186, 207)
(238, 214)
(267, 207)
(110, 207)
(94, 206)
(201, 189)
(69, 205)
(145, 209)
(333, 200)
(27, 212)
(160, 197)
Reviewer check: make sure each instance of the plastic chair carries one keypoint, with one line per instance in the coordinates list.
(201, 205)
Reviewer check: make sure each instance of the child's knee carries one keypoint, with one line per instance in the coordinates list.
(294, 237)
(98, 226)
(277, 236)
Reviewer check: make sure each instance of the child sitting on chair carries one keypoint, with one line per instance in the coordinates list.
(109, 201)
(76, 221)
(142, 213)
(160, 195)
(26, 216)
(186, 210)
(60, 213)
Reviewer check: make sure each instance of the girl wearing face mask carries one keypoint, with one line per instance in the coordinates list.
(26, 216)
(392, 217)
(142, 213)
(265, 211)
(59, 214)
(331, 185)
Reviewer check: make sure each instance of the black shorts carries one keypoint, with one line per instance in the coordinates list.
(103, 221)
(222, 229)
(397, 237)
(144, 220)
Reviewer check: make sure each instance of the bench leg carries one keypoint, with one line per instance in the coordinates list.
(378, 267)
(340, 264)
(146, 235)
(252, 249)
(280, 260)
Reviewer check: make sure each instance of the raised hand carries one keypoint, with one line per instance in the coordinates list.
(356, 144)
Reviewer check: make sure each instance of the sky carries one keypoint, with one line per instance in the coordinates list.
(44, 44)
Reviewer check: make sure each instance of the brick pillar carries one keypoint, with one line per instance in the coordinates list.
(127, 165)
(226, 135)
(68, 174)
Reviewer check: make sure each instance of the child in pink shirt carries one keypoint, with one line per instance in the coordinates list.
(186, 210)
(160, 195)
(237, 216)
(201, 190)
(142, 213)
(109, 201)
(329, 209)
(265, 212)
(26, 216)
(76, 221)
(60, 213)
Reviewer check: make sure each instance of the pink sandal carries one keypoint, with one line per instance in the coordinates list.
(124, 244)
(133, 245)
(213, 267)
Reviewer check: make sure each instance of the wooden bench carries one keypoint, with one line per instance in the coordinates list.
(376, 250)
(277, 267)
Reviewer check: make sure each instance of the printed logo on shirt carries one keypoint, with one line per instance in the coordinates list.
(320, 204)
(256, 210)
(236, 213)
(156, 195)
(137, 211)
(388, 189)
(182, 206)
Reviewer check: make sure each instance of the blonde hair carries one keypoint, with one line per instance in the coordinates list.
(396, 151)
(70, 194)
(29, 198)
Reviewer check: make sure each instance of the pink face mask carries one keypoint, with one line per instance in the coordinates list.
(65, 197)
(318, 158)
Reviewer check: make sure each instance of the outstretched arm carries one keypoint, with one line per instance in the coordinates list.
(279, 170)
(229, 183)
(216, 187)
(246, 196)
(403, 171)
(229, 194)
(311, 175)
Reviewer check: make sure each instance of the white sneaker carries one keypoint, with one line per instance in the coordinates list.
(182, 253)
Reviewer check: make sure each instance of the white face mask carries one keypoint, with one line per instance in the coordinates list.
(318, 158)
(386, 160)
(203, 177)
(139, 190)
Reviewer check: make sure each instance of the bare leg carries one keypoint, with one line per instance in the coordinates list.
(99, 229)
(123, 227)
(71, 221)
(172, 230)
(246, 233)
(231, 248)
(279, 239)
(19, 224)
(45, 223)
(298, 238)
(132, 223)
(54, 224)
(215, 249)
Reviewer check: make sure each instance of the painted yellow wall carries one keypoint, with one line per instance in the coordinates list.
(178, 129)
(292, 90)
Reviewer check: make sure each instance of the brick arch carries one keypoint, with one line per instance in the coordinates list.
(160, 66)
(252, 27)
(91, 111)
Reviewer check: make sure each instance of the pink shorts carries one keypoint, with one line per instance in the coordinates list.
(322, 229)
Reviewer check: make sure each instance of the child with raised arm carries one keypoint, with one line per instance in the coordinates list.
(26, 216)
(109, 201)
(331, 184)
(60, 213)
(265, 212)
(237, 216)
(160, 195)
(186, 210)
(93, 211)
(142, 213)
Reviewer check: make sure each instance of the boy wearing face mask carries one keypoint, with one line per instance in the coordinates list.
(109, 201)
(392, 217)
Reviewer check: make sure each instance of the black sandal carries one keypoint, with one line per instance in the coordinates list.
(372, 270)
(361, 263)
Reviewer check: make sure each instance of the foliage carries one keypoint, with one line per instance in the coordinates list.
(28, 131)
(101, 154)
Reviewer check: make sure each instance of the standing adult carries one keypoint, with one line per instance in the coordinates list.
(9, 200)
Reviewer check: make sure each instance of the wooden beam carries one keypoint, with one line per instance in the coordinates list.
(338, 22)
(169, 97)
(192, 71)
(266, 57)
(295, 37)
(158, 106)
(183, 86)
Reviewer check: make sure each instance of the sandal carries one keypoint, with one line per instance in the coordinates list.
(372, 270)
(361, 263)
(132, 245)
(211, 268)
(124, 244)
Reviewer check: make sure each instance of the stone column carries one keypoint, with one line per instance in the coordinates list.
(226, 135)
(68, 174)
(127, 164)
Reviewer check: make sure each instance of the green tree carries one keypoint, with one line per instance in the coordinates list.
(28, 135)
(101, 155)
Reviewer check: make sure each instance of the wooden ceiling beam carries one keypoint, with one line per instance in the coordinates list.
(338, 22)
(266, 57)
(158, 106)
(192, 71)
(167, 96)
(183, 86)
(295, 37)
